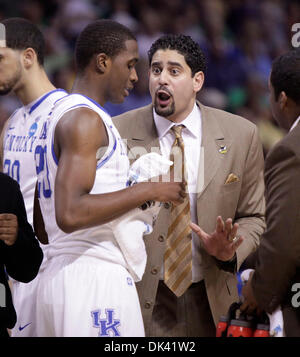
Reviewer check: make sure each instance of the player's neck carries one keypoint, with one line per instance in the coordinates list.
(89, 88)
(33, 87)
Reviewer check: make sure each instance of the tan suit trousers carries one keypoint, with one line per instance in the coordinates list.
(186, 316)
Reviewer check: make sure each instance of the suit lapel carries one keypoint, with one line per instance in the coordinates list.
(144, 132)
(213, 149)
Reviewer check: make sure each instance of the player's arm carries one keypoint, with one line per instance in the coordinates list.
(78, 136)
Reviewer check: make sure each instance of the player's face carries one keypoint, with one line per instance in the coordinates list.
(123, 73)
(172, 87)
(10, 70)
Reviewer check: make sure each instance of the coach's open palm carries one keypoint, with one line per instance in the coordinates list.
(8, 228)
(222, 243)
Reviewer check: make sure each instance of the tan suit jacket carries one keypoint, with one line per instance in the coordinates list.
(230, 145)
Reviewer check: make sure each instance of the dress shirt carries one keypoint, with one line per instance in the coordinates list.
(192, 137)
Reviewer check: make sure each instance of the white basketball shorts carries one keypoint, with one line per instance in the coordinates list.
(81, 296)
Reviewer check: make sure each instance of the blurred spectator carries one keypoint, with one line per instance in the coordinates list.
(213, 97)
(151, 27)
(254, 106)
(255, 54)
(74, 16)
(33, 10)
(121, 14)
(239, 38)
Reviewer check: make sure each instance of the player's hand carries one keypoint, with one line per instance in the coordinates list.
(173, 192)
(8, 228)
(222, 243)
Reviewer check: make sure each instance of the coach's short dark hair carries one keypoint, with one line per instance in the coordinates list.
(101, 36)
(21, 34)
(183, 44)
(285, 75)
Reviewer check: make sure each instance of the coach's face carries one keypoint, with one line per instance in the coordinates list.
(172, 87)
(123, 73)
(10, 69)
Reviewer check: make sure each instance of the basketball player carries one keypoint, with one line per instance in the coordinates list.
(21, 71)
(86, 288)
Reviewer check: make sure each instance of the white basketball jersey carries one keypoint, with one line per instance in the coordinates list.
(24, 127)
(111, 175)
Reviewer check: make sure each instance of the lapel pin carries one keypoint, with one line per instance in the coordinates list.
(223, 149)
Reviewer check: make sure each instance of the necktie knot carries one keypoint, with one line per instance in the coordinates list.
(177, 130)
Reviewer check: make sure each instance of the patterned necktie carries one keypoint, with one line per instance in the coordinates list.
(178, 254)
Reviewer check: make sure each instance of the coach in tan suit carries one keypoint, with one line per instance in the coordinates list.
(224, 165)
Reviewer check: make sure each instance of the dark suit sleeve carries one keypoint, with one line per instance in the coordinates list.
(279, 253)
(24, 257)
(250, 212)
(7, 313)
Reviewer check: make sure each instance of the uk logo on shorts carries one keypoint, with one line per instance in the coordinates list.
(107, 326)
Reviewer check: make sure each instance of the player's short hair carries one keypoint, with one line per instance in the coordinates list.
(285, 75)
(21, 34)
(183, 44)
(101, 36)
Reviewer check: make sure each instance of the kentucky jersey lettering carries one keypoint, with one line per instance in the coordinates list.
(19, 143)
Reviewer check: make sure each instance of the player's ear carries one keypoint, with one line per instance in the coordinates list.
(29, 57)
(102, 63)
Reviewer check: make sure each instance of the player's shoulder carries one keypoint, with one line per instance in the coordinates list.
(72, 98)
(67, 103)
(77, 100)
(75, 114)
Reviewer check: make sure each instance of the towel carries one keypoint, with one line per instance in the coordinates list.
(130, 228)
(276, 318)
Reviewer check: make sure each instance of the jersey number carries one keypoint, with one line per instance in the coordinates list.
(42, 171)
(12, 170)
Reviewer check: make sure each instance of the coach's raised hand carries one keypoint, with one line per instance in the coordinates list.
(223, 242)
(8, 228)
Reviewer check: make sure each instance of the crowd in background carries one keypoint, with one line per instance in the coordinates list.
(240, 38)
